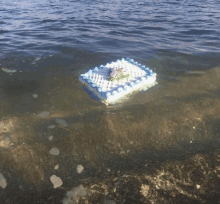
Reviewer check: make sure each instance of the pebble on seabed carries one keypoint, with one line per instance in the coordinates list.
(80, 168)
(73, 195)
(35, 95)
(122, 152)
(56, 181)
(5, 142)
(50, 137)
(61, 122)
(197, 186)
(38, 58)
(51, 126)
(44, 114)
(109, 202)
(54, 151)
(9, 70)
(57, 167)
(3, 182)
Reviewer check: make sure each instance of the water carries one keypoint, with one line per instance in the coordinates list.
(119, 28)
(46, 45)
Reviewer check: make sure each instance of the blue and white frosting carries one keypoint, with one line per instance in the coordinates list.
(98, 81)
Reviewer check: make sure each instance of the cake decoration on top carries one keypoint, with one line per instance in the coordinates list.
(118, 73)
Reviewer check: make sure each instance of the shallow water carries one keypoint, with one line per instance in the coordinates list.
(171, 129)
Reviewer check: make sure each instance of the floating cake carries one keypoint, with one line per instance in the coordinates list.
(113, 81)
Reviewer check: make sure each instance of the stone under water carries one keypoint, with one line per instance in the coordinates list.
(61, 122)
(56, 181)
(80, 169)
(3, 182)
(74, 194)
(44, 114)
(54, 151)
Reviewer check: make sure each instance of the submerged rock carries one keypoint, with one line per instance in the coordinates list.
(56, 181)
(44, 114)
(144, 190)
(5, 143)
(3, 182)
(61, 122)
(74, 194)
(50, 137)
(109, 202)
(54, 151)
(77, 126)
(35, 95)
(51, 126)
(57, 167)
(9, 70)
(38, 58)
(80, 168)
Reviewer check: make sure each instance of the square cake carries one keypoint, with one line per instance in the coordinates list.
(113, 81)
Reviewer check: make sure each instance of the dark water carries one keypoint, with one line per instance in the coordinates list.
(170, 133)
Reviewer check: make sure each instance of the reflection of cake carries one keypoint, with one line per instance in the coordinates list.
(117, 79)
